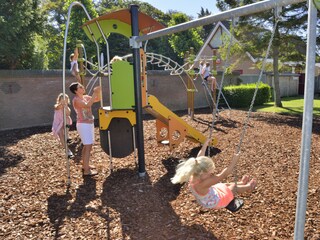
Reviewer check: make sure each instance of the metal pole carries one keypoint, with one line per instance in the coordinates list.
(236, 12)
(64, 73)
(137, 88)
(306, 124)
(64, 82)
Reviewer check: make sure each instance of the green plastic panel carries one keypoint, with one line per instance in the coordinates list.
(122, 85)
(108, 26)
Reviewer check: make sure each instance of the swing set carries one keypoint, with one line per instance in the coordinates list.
(237, 203)
(309, 87)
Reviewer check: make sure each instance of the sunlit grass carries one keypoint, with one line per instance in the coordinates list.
(290, 105)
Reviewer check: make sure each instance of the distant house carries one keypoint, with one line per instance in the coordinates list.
(212, 45)
(246, 71)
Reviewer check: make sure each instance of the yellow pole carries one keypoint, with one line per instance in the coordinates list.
(81, 60)
(191, 89)
(214, 74)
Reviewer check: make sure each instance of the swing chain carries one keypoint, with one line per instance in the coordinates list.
(244, 129)
(257, 87)
(215, 110)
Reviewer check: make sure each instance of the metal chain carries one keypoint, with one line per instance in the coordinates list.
(226, 65)
(257, 88)
(244, 129)
(215, 110)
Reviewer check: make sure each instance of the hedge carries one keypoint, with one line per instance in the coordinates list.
(241, 95)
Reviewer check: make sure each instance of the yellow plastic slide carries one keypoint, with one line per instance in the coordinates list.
(162, 113)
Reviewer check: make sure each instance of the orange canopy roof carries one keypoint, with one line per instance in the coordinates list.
(146, 23)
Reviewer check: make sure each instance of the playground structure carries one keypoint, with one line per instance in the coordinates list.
(136, 40)
(117, 121)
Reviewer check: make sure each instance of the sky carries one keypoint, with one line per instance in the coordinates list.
(189, 7)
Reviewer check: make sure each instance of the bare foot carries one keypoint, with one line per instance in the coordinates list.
(245, 179)
(91, 167)
(90, 173)
(253, 184)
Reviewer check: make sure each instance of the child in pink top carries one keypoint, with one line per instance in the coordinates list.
(205, 185)
(57, 125)
(82, 104)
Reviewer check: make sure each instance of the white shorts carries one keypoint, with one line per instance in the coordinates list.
(86, 132)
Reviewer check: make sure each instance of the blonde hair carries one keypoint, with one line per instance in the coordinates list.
(192, 167)
(115, 59)
(71, 57)
(60, 97)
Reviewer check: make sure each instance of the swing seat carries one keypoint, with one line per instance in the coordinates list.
(235, 205)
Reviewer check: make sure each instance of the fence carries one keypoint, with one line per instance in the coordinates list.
(27, 97)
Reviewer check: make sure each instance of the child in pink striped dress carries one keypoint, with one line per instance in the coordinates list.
(57, 125)
(205, 185)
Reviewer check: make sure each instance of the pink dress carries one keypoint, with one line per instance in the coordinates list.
(84, 114)
(58, 122)
(218, 196)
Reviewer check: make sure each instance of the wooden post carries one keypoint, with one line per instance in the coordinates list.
(189, 95)
(214, 74)
(82, 71)
(190, 91)
(143, 75)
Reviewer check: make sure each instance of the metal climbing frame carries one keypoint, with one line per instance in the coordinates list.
(309, 86)
(64, 72)
(167, 64)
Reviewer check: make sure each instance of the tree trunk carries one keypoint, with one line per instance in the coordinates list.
(276, 84)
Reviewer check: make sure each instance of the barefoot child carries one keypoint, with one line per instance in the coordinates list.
(82, 104)
(205, 185)
(205, 72)
(74, 69)
(57, 125)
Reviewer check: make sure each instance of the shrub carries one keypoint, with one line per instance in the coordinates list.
(241, 95)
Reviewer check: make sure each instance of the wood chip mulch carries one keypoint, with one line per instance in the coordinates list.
(36, 203)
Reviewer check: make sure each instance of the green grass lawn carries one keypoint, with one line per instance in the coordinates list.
(290, 105)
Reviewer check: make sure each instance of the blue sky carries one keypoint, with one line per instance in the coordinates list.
(190, 7)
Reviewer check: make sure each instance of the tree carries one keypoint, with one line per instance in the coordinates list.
(293, 19)
(77, 19)
(183, 41)
(54, 34)
(119, 45)
(20, 21)
(159, 45)
(206, 28)
(56, 13)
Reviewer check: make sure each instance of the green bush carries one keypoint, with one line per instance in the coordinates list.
(241, 95)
